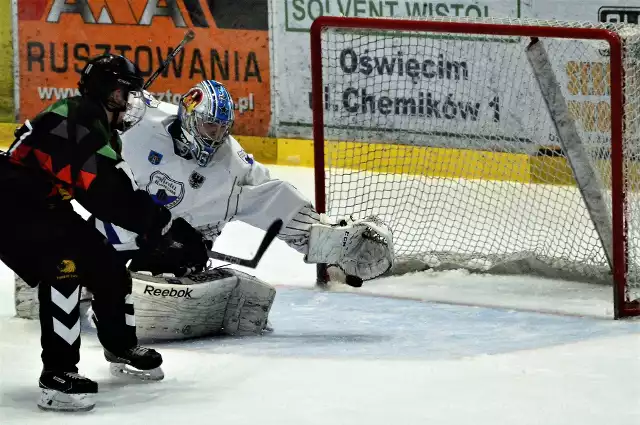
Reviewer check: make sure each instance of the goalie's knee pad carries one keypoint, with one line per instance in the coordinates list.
(218, 301)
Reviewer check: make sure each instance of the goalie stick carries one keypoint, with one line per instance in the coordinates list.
(188, 37)
(272, 232)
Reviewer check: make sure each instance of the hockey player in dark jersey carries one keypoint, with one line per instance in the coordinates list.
(72, 150)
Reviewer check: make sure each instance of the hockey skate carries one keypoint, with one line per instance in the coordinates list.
(66, 392)
(137, 362)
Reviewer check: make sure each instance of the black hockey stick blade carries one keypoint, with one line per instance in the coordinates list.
(271, 234)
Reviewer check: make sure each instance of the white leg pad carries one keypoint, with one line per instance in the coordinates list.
(170, 308)
(221, 301)
(249, 306)
(218, 301)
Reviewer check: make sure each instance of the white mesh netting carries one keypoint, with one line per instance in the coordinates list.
(448, 139)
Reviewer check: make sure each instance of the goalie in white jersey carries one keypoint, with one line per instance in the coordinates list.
(185, 157)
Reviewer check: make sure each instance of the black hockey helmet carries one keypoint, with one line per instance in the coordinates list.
(106, 73)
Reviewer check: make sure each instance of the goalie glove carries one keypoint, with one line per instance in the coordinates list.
(363, 248)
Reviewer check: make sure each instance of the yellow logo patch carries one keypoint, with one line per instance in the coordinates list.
(67, 266)
(65, 196)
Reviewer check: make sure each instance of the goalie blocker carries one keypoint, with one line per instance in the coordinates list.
(214, 302)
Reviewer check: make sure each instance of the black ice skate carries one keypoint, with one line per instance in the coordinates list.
(66, 392)
(137, 362)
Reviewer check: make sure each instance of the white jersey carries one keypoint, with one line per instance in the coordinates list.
(233, 186)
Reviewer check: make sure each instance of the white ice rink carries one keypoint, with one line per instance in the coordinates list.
(349, 356)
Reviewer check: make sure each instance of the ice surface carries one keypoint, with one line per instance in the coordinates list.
(343, 357)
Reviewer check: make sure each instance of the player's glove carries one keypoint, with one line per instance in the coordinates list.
(193, 244)
(182, 250)
(155, 237)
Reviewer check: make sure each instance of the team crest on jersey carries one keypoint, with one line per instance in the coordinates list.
(245, 157)
(196, 180)
(192, 99)
(154, 157)
(164, 190)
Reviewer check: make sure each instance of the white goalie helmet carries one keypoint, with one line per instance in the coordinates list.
(207, 115)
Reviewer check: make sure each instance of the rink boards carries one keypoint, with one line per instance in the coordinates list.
(426, 161)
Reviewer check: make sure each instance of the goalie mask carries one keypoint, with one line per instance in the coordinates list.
(206, 114)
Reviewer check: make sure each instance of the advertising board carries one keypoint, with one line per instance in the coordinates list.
(57, 37)
(379, 83)
(290, 60)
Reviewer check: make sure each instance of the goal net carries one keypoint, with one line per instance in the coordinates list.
(495, 145)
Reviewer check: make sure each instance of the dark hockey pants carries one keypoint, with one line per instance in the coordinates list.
(60, 252)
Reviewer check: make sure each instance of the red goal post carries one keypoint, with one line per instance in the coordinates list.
(366, 142)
